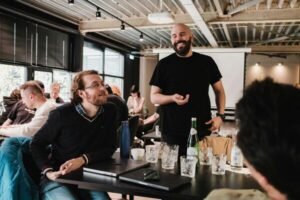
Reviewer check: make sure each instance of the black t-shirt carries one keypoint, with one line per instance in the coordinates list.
(192, 76)
(19, 114)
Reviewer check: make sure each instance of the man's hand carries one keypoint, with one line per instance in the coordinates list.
(216, 123)
(53, 175)
(71, 165)
(180, 100)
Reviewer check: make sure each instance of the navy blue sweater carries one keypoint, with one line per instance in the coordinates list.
(71, 135)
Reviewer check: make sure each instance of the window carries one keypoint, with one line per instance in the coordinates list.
(11, 78)
(114, 69)
(45, 77)
(92, 59)
(64, 79)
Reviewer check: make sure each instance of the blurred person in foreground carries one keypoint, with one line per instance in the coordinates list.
(80, 133)
(269, 123)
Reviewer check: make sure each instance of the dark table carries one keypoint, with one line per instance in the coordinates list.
(200, 186)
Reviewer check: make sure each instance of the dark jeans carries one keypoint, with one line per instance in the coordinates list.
(51, 190)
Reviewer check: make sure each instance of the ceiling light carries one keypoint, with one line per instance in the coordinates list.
(141, 37)
(71, 2)
(161, 18)
(122, 26)
(98, 13)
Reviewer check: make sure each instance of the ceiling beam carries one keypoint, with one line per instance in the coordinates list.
(138, 22)
(227, 34)
(262, 16)
(243, 7)
(276, 49)
(199, 21)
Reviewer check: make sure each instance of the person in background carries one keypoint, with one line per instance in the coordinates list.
(116, 90)
(148, 124)
(121, 106)
(33, 98)
(54, 93)
(180, 85)
(269, 131)
(81, 132)
(135, 102)
(8, 103)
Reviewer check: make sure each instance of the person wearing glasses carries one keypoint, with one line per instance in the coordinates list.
(80, 133)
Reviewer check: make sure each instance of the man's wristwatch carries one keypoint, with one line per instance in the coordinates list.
(222, 116)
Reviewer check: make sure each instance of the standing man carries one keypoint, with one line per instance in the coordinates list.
(79, 133)
(180, 85)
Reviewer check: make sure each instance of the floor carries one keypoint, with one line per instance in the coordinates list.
(115, 196)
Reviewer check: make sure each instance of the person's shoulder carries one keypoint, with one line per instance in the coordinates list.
(202, 56)
(168, 58)
(109, 106)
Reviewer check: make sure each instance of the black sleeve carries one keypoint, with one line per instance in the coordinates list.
(12, 115)
(156, 78)
(215, 74)
(43, 138)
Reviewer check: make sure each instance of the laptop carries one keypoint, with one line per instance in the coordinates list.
(115, 166)
(166, 181)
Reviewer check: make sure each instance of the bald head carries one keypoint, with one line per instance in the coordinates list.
(181, 38)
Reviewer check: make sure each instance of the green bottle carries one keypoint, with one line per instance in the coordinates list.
(193, 141)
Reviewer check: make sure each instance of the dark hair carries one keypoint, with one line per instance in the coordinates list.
(135, 89)
(15, 94)
(77, 84)
(108, 88)
(33, 87)
(269, 123)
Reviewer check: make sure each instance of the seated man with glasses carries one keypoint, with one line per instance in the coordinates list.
(80, 132)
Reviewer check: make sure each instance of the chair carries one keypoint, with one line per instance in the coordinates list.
(219, 145)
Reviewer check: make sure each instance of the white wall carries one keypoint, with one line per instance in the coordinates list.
(287, 73)
(147, 66)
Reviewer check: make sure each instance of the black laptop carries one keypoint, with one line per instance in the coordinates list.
(166, 180)
(114, 167)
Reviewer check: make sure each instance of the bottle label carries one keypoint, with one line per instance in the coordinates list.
(193, 131)
(192, 151)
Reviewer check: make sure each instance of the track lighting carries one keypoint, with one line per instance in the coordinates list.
(122, 26)
(71, 2)
(98, 13)
(141, 37)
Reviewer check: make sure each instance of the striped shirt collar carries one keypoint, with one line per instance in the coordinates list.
(79, 108)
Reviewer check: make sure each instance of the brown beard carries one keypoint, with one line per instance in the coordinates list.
(185, 50)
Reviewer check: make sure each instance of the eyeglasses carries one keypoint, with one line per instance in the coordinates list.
(95, 85)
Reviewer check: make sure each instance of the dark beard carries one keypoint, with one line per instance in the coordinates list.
(183, 51)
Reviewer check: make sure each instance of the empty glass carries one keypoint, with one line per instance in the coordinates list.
(205, 156)
(218, 164)
(188, 166)
(169, 156)
(152, 153)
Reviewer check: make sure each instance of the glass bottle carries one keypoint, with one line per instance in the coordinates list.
(193, 141)
(125, 140)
